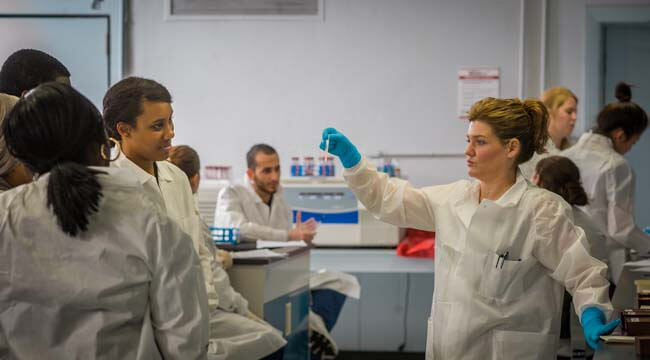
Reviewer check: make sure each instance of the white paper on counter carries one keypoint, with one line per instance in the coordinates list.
(263, 244)
(617, 339)
(639, 263)
(256, 254)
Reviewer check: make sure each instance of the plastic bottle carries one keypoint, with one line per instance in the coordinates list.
(322, 167)
(295, 166)
(308, 166)
(330, 165)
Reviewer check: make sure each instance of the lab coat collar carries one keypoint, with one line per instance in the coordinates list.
(164, 173)
(512, 196)
(466, 205)
(116, 176)
(598, 139)
(143, 176)
(109, 176)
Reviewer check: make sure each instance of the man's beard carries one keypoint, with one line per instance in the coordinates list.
(262, 187)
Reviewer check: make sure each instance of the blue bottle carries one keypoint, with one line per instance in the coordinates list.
(296, 168)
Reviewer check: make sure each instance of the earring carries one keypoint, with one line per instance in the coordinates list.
(102, 150)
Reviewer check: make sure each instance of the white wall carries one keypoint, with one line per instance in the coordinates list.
(383, 71)
(113, 9)
(569, 47)
(534, 43)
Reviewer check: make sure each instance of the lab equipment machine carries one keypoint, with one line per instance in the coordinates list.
(206, 198)
(344, 222)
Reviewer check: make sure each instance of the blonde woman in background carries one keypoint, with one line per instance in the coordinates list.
(562, 105)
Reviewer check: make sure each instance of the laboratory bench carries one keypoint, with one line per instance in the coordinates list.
(277, 290)
(615, 352)
(625, 298)
(395, 303)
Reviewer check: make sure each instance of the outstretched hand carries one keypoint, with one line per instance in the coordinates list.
(340, 146)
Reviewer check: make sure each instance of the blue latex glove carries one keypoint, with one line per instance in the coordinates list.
(593, 324)
(341, 147)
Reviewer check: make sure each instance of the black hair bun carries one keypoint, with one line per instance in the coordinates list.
(623, 92)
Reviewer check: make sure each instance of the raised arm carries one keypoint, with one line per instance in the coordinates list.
(389, 199)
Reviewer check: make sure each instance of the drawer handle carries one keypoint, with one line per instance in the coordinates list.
(287, 319)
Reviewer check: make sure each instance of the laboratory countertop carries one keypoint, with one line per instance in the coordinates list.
(615, 352)
(360, 260)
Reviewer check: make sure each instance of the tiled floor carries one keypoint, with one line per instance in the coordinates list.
(354, 355)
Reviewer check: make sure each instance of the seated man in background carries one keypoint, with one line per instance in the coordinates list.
(260, 211)
(235, 332)
(25, 69)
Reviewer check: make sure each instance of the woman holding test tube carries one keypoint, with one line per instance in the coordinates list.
(505, 249)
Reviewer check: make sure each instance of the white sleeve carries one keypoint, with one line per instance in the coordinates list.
(394, 200)
(559, 246)
(230, 213)
(224, 296)
(179, 308)
(620, 210)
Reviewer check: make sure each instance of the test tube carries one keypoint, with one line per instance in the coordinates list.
(327, 146)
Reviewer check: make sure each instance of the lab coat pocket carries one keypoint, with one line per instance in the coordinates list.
(502, 281)
(523, 345)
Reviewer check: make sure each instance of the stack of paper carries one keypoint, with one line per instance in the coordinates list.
(256, 254)
(263, 244)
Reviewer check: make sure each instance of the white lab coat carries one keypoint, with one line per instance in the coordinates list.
(127, 288)
(485, 307)
(232, 335)
(528, 168)
(240, 206)
(172, 193)
(609, 182)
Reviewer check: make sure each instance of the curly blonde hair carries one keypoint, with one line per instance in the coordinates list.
(526, 121)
